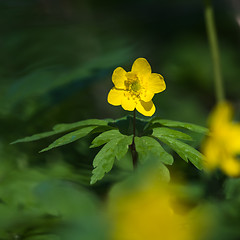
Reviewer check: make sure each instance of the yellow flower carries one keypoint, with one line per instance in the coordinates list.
(146, 212)
(222, 147)
(136, 89)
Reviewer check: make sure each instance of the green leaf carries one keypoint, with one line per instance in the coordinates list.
(90, 122)
(148, 148)
(163, 172)
(100, 129)
(44, 237)
(162, 131)
(123, 146)
(105, 137)
(185, 151)
(232, 189)
(36, 137)
(123, 124)
(104, 160)
(177, 124)
(70, 137)
(61, 128)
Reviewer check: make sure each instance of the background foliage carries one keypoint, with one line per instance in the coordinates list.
(56, 62)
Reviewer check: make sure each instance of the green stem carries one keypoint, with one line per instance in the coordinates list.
(212, 37)
(132, 146)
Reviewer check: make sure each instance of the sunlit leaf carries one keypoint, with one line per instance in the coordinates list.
(105, 137)
(185, 151)
(64, 127)
(149, 148)
(177, 124)
(162, 131)
(104, 160)
(70, 137)
(36, 137)
(84, 123)
(163, 172)
(123, 146)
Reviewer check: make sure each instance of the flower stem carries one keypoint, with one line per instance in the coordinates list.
(132, 146)
(212, 37)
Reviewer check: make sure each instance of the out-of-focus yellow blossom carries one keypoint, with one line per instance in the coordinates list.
(135, 89)
(146, 213)
(222, 147)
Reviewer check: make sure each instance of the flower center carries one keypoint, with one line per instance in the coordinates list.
(136, 86)
(132, 83)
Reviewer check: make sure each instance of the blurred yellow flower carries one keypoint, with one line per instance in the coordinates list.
(136, 89)
(222, 147)
(147, 213)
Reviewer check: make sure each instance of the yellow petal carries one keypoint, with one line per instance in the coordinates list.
(234, 136)
(146, 96)
(156, 83)
(142, 68)
(231, 167)
(128, 103)
(115, 96)
(221, 116)
(146, 108)
(210, 149)
(119, 77)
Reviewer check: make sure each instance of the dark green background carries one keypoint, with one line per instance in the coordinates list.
(56, 61)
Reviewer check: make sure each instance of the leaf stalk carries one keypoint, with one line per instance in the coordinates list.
(132, 146)
(213, 42)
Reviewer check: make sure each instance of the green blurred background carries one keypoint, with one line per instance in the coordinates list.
(56, 61)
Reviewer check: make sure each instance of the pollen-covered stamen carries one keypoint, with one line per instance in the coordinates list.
(133, 84)
(136, 86)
